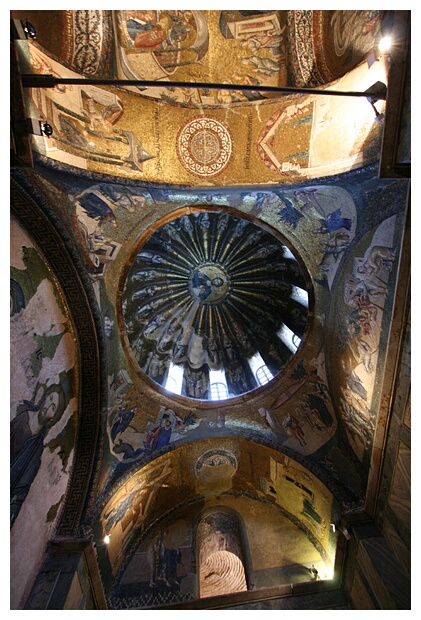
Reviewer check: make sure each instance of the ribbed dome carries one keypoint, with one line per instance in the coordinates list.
(214, 306)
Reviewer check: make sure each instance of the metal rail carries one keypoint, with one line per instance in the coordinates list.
(376, 92)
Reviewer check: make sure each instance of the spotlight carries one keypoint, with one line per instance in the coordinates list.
(379, 115)
(22, 29)
(29, 30)
(38, 128)
(314, 572)
(385, 43)
(376, 92)
(104, 542)
(47, 129)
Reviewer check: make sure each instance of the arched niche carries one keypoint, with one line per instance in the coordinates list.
(221, 551)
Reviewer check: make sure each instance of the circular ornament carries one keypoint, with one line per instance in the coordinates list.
(204, 146)
(209, 283)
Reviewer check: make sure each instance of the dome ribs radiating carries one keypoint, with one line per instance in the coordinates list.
(154, 257)
(248, 313)
(235, 242)
(214, 292)
(276, 355)
(295, 318)
(222, 234)
(191, 246)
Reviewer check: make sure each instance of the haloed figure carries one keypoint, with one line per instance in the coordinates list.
(27, 432)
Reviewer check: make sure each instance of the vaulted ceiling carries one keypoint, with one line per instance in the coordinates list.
(223, 264)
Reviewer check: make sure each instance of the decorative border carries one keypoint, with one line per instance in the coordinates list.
(319, 46)
(88, 47)
(43, 227)
(302, 55)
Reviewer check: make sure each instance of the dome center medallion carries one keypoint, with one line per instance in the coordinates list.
(209, 283)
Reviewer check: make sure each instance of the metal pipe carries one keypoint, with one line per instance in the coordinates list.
(377, 92)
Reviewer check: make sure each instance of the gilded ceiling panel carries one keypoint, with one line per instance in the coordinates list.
(122, 132)
(270, 47)
(212, 227)
(133, 511)
(295, 411)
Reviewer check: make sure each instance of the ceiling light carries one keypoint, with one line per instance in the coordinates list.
(385, 43)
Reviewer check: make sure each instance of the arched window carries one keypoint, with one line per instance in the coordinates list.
(300, 295)
(288, 338)
(261, 372)
(218, 385)
(218, 391)
(174, 381)
(263, 375)
(171, 384)
(296, 340)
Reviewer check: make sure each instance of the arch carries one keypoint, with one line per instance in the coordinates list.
(222, 558)
(34, 215)
(263, 375)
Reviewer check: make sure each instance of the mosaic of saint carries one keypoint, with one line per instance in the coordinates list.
(206, 293)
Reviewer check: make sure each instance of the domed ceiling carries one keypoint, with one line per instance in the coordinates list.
(237, 260)
(214, 306)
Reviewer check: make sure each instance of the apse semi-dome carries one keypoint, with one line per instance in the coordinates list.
(214, 306)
